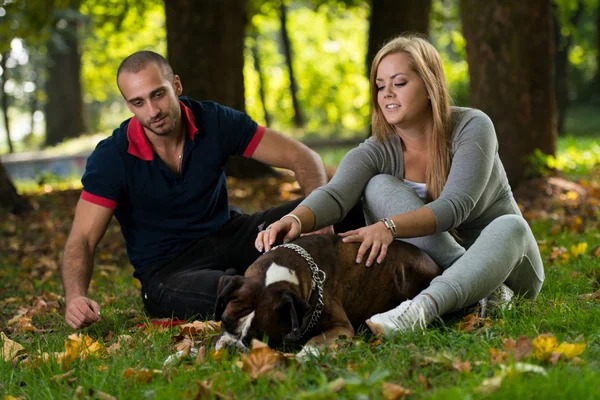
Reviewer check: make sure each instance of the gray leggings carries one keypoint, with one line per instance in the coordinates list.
(504, 251)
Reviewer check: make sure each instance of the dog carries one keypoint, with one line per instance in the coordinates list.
(312, 291)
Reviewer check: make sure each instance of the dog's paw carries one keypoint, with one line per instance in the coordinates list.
(308, 352)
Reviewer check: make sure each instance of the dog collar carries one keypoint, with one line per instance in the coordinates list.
(316, 283)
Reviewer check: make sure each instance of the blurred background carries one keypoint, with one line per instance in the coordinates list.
(299, 66)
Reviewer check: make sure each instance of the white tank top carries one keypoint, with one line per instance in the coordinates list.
(418, 187)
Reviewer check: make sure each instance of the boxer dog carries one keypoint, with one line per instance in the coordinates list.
(313, 290)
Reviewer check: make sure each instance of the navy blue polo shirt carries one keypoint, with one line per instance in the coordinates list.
(160, 213)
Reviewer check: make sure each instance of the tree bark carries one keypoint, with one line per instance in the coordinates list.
(5, 101)
(597, 78)
(509, 52)
(390, 18)
(9, 198)
(205, 42)
(64, 110)
(287, 52)
(562, 46)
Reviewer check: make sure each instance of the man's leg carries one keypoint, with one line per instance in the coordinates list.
(187, 285)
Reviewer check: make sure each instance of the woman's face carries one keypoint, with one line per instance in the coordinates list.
(401, 93)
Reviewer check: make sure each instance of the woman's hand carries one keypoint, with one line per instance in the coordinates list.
(376, 237)
(267, 237)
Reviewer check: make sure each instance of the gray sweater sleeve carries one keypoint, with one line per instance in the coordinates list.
(474, 148)
(331, 203)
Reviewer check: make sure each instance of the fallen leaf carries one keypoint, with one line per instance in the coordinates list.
(544, 345)
(462, 366)
(590, 296)
(10, 348)
(391, 391)
(201, 355)
(143, 375)
(570, 350)
(262, 361)
(200, 328)
(520, 349)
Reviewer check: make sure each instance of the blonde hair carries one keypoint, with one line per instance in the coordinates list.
(425, 61)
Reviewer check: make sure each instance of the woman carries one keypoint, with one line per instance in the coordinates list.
(431, 176)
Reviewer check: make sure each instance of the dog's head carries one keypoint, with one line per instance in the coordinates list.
(248, 309)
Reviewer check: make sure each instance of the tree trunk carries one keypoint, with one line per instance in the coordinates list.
(562, 46)
(64, 109)
(5, 101)
(287, 52)
(9, 199)
(261, 79)
(205, 41)
(597, 78)
(390, 18)
(509, 52)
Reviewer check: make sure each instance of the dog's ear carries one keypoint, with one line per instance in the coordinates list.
(296, 307)
(228, 285)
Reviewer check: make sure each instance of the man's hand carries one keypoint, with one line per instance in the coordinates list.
(81, 312)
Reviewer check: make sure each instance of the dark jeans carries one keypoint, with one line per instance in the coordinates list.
(187, 285)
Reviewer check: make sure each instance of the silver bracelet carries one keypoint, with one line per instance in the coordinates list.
(297, 220)
(391, 226)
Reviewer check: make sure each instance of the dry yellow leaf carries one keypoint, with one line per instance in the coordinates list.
(262, 361)
(10, 348)
(570, 350)
(544, 345)
(579, 249)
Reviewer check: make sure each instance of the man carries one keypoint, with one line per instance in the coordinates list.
(161, 175)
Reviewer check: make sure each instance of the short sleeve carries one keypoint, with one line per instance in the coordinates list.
(240, 134)
(104, 177)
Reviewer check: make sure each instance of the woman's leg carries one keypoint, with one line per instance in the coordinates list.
(505, 252)
(386, 195)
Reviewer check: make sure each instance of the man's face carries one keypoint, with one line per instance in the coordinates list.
(152, 98)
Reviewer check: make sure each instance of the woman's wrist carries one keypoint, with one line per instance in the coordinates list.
(297, 220)
(391, 226)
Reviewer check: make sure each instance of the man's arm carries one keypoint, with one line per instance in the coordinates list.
(89, 226)
(278, 150)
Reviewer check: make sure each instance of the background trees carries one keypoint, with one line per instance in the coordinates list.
(299, 65)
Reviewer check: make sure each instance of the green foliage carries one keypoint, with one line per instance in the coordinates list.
(328, 56)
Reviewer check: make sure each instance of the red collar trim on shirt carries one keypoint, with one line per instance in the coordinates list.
(139, 145)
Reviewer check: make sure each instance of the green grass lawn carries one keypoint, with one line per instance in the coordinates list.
(441, 363)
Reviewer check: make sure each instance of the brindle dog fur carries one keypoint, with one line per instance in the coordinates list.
(351, 292)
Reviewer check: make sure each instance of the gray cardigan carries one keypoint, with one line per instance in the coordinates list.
(476, 192)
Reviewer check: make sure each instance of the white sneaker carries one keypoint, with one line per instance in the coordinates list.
(499, 299)
(408, 316)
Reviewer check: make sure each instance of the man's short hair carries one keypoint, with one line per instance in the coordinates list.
(137, 61)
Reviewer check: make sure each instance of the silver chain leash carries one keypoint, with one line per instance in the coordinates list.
(316, 281)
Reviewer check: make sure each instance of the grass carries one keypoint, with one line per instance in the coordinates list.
(427, 364)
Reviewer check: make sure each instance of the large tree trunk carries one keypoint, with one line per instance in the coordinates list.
(205, 41)
(390, 18)
(5, 101)
(287, 51)
(509, 52)
(64, 110)
(562, 46)
(9, 199)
